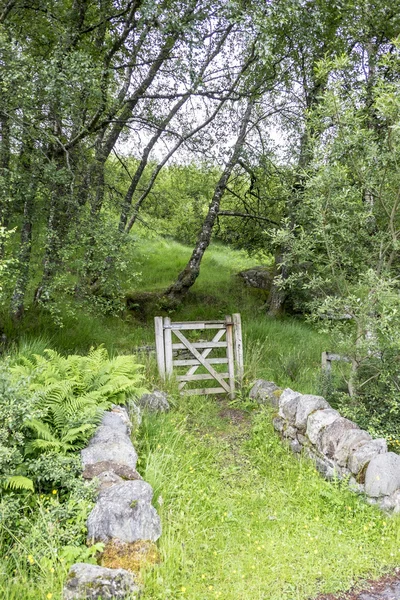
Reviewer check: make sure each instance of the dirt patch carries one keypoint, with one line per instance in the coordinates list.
(235, 415)
(386, 588)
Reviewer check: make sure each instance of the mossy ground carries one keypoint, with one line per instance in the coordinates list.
(133, 557)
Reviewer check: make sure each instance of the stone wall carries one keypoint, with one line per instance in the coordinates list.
(338, 447)
(123, 515)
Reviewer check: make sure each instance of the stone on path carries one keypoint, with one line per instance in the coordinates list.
(124, 511)
(308, 404)
(382, 477)
(91, 582)
(265, 392)
(258, 277)
(318, 421)
(121, 452)
(330, 437)
(349, 443)
(123, 471)
(288, 403)
(155, 402)
(364, 454)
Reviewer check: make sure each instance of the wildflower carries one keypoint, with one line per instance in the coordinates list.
(49, 596)
(203, 576)
(54, 492)
(183, 589)
(31, 559)
(52, 570)
(210, 587)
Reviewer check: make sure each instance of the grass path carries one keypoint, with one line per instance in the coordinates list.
(244, 520)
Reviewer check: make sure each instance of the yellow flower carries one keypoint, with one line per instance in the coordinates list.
(49, 596)
(210, 587)
(31, 559)
(54, 492)
(52, 570)
(183, 589)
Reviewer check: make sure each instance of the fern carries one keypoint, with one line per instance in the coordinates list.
(18, 483)
(71, 394)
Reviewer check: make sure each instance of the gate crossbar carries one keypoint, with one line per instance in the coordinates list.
(199, 352)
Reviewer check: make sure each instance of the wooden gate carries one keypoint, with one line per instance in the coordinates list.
(196, 353)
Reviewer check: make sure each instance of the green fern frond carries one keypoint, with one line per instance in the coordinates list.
(41, 429)
(44, 446)
(76, 433)
(18, 482)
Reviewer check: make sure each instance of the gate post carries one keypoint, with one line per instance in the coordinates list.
(230, 357)
(238, 345)
(160, 353)
(168, 346)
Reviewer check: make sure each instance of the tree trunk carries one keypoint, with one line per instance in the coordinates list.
(4, 174)
(58, 224)
(188, 276)
(277, 295)
(17, 300)
(27, 190)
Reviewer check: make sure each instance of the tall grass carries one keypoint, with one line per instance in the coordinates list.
(287, 351)
(242, 519)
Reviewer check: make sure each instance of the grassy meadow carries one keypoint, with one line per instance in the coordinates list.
(242, 518)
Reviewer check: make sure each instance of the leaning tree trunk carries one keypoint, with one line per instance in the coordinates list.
(188, 276)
